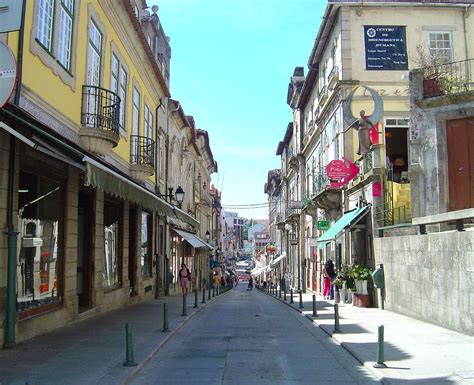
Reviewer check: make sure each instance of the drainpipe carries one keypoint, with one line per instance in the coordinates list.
(157, 222)
(10, 334)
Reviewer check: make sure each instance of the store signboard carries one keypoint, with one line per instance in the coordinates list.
(7, 73)
(385, 48)
(324, 225)
(10, 15)
(341, 172)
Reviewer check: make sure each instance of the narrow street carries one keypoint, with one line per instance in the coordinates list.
(249, 338)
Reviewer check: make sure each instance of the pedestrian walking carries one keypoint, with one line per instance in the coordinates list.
(184, 278)
(215, 281)
(329, 275)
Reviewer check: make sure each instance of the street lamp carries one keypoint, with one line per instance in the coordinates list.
(178, 195)
(208, 235)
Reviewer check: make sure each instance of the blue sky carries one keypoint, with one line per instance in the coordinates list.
(230, 67)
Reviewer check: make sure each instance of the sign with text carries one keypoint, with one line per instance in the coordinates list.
(377, 189)
(324, 225)
(341, 172)
(385, 48)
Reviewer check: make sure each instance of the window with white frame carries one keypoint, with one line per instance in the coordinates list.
(66, 22)
(44, 23)
(148, 122)
(440, 46)
(136, 112)
(118, 84)
(94, 56)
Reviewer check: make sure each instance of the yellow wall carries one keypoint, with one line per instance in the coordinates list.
(48, 88)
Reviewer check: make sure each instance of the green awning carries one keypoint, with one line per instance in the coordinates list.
(347, 219)
(98, 176)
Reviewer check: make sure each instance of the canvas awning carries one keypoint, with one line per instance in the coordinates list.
(278, 259)
(99, 176)
(193, 239)
(350, 218)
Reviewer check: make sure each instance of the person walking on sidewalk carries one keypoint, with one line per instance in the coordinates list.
(184, 278)
(329, 274)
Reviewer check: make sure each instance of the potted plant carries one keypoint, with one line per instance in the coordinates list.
(361, 275)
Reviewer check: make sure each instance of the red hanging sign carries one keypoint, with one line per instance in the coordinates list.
(341, 172)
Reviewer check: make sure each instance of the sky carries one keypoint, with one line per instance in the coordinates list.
(231, 63)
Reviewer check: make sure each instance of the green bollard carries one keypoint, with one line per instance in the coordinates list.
(209, 294)
(203, 294)
(165, 318)
(279, 292)
(213, 292)
(315, 312)
(129, 346)
(184, 306)
(195, 299)
(291, 296)
(380, 354)
(301, 299)
(336, 319)
(284, 296)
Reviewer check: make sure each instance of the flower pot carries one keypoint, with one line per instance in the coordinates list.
(342, 294)
(431, 88)
(361, 286)
(349, 296)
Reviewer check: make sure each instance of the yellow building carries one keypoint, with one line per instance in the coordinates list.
(89, 172)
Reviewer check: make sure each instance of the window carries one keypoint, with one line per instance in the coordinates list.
(112, 221)
(66, 20)
(136, 112)
(118, 84)
(94, 57)
(40, 216)
(148, 122)
(44, 23)
(440, 46)
(145, 245)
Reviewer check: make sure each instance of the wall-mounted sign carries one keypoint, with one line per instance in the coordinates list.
(10, 15)
(324, 225)
(341, 172)
(7, 73)
(377, 189)
(385, 48)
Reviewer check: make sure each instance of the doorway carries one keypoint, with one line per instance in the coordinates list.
(132, 251)
(85, 231)
(460, 143)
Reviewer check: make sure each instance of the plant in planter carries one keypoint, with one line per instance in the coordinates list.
(361, 275)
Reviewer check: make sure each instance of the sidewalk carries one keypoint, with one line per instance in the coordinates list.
(416, 352)
(92, 351)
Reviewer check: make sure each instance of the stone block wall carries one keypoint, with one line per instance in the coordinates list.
(430, 277)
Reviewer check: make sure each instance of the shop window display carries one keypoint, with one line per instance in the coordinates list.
(111, 268)
(145, 250)
(39, 272)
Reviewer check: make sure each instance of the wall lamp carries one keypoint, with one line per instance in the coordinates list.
(208, 235)
(178, 195)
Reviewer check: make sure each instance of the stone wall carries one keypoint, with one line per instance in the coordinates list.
(430, 277)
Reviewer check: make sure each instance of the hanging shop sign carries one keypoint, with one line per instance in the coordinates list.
(341, 172)
(377, 189)
(324, 225)
(385, 48)
(7, 73)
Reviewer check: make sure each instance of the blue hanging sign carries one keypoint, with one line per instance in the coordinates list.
(385, 48)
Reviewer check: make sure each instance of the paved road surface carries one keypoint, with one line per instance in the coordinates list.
(249, 338)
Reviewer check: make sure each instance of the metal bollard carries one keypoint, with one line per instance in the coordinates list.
(380, 354)
(195, 299)
(213, 291)
(284, 296)
(315, 312)
(203, 294)
(165, 318)
(129, 346)
(279, 292)
(291, 295)
(184, 306)
(301, 300)
(336, 319)
(209, 294)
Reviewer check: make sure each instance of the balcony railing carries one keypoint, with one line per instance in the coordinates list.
(333, 76)
(323, 95)
(142, 151)
(320, 182)
(100, 109)
(448, 79)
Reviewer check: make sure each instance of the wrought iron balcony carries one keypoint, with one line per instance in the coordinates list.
(320, 182)
(323, 195)
(142, 157)
(100, 119)
(448, 79)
